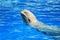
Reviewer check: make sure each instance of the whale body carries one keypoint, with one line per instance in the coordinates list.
(30, 19)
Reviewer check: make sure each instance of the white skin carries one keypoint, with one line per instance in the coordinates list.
(32, 21)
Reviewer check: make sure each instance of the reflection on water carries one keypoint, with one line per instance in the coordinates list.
(12, 26)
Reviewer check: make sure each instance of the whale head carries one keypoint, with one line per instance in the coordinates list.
(28, 17)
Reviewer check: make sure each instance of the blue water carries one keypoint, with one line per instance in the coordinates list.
(12, 26)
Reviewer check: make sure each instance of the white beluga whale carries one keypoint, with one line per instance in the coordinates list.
(30, 19)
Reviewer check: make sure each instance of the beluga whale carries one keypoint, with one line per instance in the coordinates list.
(30, 19)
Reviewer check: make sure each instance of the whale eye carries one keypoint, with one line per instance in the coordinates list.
(25, 12)
(29, 20)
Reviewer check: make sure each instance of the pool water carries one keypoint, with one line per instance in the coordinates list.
(12, 26)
